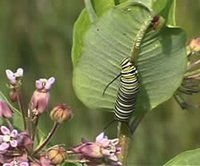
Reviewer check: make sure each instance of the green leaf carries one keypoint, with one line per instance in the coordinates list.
(191, 157)
(161, 61)
(17, 120)
(166, 9)
(83, 23)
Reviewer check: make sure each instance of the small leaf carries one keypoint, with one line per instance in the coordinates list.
(191, 157)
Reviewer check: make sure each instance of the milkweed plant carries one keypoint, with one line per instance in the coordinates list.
(120, 49)
(19, 145)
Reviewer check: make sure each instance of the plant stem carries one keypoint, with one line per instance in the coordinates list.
(125, 137)
(8, 123)
(124, 140)
(34, 128)
(47, 139)
(76, 161)
(90, 10)
(19, 102)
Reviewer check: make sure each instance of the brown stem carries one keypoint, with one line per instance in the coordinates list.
(47, 139)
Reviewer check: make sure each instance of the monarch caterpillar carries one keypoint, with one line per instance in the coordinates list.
(127, 92)
(129, 84)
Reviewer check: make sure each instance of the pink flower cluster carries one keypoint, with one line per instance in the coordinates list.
(19, 148)
(12, 141)
(103, 150)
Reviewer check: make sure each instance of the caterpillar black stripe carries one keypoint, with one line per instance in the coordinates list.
(127, 93)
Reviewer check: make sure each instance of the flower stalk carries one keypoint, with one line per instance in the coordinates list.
(124, 135)
(47, 139)
(19, 102)
(124, 141)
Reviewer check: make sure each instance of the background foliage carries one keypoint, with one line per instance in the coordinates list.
(37, 35)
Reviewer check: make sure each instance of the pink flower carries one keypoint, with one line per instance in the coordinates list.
(8, 139)
(40, 97)
(44, 85)
(17, 154)
(13, 77)
(16, 163)
(24, 140)
(103, 150)
(5, 110)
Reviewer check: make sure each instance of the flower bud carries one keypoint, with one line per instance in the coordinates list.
(56, 155)
(5, 110)
(39, 101)
(40, 97)
(194, 45)
(61, 113)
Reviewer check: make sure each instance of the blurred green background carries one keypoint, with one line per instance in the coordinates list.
(37, 36)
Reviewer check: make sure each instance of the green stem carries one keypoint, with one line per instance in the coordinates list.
(125, 137)
(19, 102)
(76, 161)
(47, 139)
(138, 39)
(8, 123)
(29, 123)
(174, 15)
(124, 140)
(34, 128)
(90, 10)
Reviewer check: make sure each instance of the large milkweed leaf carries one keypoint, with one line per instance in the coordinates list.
(161, 61)
(191, 157)
(83, 22)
